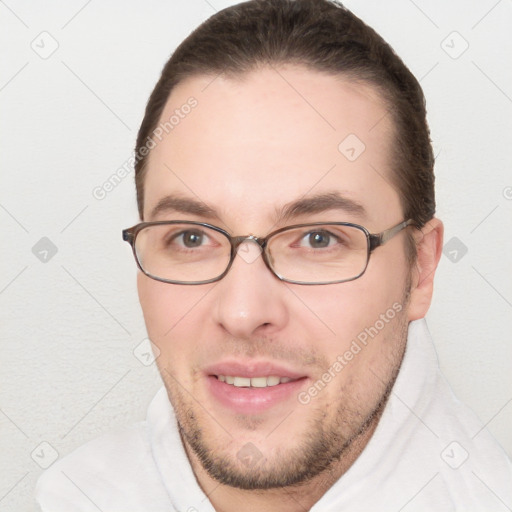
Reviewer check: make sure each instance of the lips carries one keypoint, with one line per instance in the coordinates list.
(252, 387)
(250, 369)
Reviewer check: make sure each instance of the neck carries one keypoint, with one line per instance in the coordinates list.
(297, 498)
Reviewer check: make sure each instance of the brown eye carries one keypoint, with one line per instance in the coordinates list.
(319, 239)
(192, 238)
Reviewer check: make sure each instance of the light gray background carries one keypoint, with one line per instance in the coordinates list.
(69, 325)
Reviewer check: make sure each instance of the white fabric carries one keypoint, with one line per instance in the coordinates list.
(410, 464)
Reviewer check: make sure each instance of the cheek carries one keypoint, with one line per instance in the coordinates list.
(166, 307)
(155, 303)
(174, 323)
(344, 311)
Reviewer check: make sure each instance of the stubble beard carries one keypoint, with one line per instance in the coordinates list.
(324, 441)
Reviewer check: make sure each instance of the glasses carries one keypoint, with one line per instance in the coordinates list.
(187, 252)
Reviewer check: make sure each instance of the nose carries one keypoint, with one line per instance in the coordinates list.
(250, 300)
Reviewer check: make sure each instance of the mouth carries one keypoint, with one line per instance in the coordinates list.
(249, 387)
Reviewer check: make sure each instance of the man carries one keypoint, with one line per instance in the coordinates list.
(287, 250)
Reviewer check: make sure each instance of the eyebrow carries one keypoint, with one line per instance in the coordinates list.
(179, 204)
(321, 203)
(305, 206)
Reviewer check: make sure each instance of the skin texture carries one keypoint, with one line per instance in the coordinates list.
(252, 146)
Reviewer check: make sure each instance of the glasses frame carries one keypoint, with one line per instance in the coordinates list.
(374, 240)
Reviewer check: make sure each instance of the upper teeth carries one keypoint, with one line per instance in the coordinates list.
(255, 382)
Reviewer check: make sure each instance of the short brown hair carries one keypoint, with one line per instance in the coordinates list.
(321, 35)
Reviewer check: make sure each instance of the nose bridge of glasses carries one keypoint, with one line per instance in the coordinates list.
(248, 247)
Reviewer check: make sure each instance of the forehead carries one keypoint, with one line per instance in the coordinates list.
(255, 142)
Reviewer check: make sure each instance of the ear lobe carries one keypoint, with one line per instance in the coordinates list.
(429, 245)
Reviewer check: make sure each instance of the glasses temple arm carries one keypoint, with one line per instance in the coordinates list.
(379, 239)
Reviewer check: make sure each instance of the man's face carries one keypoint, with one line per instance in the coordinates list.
(250, 148)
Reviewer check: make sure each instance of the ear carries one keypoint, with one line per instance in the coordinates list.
(429, 245)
